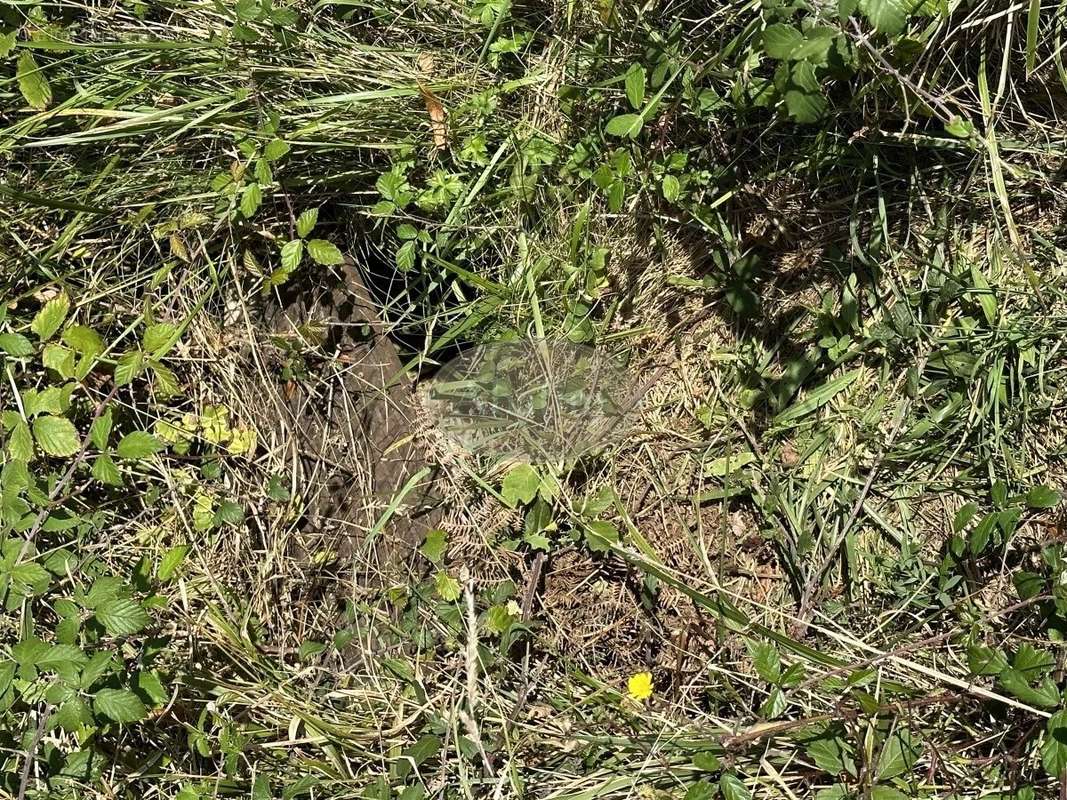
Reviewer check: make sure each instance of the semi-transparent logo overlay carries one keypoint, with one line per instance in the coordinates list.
(535, 399)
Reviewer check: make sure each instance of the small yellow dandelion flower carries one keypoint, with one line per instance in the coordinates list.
(639, 686)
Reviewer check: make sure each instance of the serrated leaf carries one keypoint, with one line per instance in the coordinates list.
(229, 513)
(32, 82)
(32, 576)
(982, 660)
(447, 587)
(57, 436)
(292, 253)
(128, 367)
(20, 441)
(251, 199)
(51, 316)
(157, 337)
(887, 16)
(16, 345)
(766, 660)
(275, 149)
(84, 340)
(120, 705)
(324, 252)
(306, 222)
(60, 654)
(635, 85)
(138, 444)
(628, 125)
(100, 430)
(1044, 695)
(520, 485)
(105, 471)
(73, 714)
(7, 43)
(435, 545)
(122, 616)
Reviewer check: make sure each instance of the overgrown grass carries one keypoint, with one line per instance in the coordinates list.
(826, 239)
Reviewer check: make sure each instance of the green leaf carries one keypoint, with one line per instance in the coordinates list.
(982, 660)
(520, 485)
(635, 85)
(779, 40)
(84, 340)
(447, 587)
(979, 537)
(899, 754)
(732, 788)
(275, 149)
(20, 441)
(831, 753)
(805, 106)
(817, 398)
(292, 253)
(73, 714)
(51, 316)
(105, 471)
(1043, 497)
(7, 43)
(1054, 748)
(766, 660)
(120, 705)
(888, 793)
(785, 42)
(963, 517)
(887, 16)
(1028, 584)
(128, 367)
(325, 253)
(158, 337)
(251, 199)
(122, 616)
(59, 655)
(172, 559)
(600, 535)
(959, 127)
(100, 430)
(57, 436)
(628, 125)
(229, 513)
(987, 299)
(306, 222)
(435, 545)
(16, 345)
(32, 82)
(1044, 695)
(701, 790)
(671, 188)
(31, 576)
(138, 444)
(707, 761)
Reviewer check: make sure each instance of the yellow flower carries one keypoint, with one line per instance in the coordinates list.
(639, 686)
